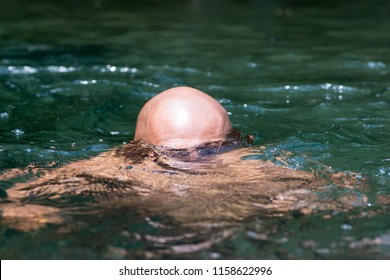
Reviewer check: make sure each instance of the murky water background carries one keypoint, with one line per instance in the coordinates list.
(306, 77)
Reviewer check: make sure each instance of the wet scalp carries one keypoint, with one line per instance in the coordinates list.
(182, 117)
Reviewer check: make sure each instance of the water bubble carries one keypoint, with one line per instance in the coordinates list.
(382, 171)
(60, 69)
(4, 116)
(326, 86)
(251, 234)
(225, 101)
(251, 64)
(86, 82)
(215, 255)
(346, 227)
(376, 64)
(150, 84)
(128, 70)
(115, 133)
(18, 132)
(21, 70)
(111, 68)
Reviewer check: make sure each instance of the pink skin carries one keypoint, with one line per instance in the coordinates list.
(182, 117)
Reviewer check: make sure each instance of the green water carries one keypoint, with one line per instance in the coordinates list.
(308, 77)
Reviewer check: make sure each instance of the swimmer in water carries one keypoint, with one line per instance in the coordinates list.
(178, 164)
(182, 117)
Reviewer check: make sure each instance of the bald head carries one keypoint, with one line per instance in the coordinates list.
(182, 117)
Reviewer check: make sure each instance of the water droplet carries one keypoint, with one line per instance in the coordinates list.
(128, 70)
(111, 68)
(22, 70)
(225, 101)
(18, 132)
(215, 255)
(328, 86)
(251, 234)
(376, 64)
(346, 227)
(115, 133)
(252, 64)
(4, 116)
(60, 69)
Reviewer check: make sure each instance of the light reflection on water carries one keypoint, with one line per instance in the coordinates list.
(310, 82)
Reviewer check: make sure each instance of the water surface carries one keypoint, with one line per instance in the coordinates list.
(309, 79)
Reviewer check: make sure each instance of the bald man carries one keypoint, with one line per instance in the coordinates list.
(182, 117)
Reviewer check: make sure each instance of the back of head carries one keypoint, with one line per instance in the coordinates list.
(182, 117)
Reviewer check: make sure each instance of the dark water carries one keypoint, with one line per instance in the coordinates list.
(307, 77)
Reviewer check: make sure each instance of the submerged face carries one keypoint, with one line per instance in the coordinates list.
(182, 117)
